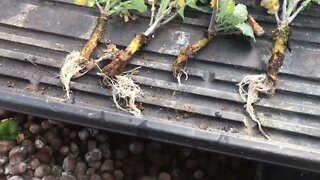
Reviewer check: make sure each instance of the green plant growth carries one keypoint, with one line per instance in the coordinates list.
(78, 63)
(167, 11)
(266, 83)
(123, 86)
(226, 18)
(8, 129)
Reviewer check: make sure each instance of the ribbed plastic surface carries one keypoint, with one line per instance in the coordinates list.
(205, 112)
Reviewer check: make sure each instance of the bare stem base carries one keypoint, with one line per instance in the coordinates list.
(76, 64)
(265, 83)
(180, 63)
(123, 57)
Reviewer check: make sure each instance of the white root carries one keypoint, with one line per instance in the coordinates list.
(73, 64)
(179, 75)
(256, 84)
(70, 67)
(124, 88)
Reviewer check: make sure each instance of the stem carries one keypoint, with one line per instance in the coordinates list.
(292, 5)
(151, 29)
(153, 8)
(122, 59)
(158, 20)
(212, 24)
(95, 37)
(106, 10)
(158, 14)
(114, 3)
(111, 12)
(211, 28)
(291, 18)
(280, 40)
(180, 63)
(284, 9)
(107, 7)
(168, 19)
(101, 10)
(276, 15)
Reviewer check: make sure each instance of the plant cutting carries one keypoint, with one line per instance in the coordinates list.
(122, 85)
(78, 63)
(266, 83)
(226, 18)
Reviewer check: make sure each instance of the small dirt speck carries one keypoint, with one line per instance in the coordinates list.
(11, 84)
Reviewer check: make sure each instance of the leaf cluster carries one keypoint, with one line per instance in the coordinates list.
(307, 3)
(271, 5)
(169, 9)
(290, 8)
(182, 4)
(116, 6)
(316, 1)
(232, 18)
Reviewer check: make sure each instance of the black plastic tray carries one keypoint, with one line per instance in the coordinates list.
(205, 112)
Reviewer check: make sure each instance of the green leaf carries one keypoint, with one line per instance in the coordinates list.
(91, 3)
(124, 7)
(163, 5)
(227, 6)
(193, 5)
(138, 5)
(181, 3)
(305, 3)
(271, 5)
(181, 12)
(104, 2)
(227, 21)
(8, 129)
(316, 1)
(240, 12)
(204, 1)
(79, 2)
(308, 2)
(246, 30)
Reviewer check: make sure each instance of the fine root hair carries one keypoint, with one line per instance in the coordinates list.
(124, 89)
(71, 66)
(74, 66)
(179, 74)
(256, 84)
